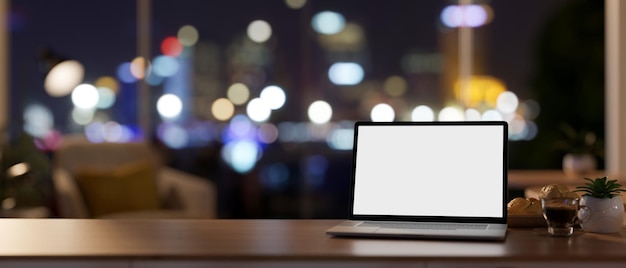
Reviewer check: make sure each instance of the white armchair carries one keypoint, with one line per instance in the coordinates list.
(181, 195)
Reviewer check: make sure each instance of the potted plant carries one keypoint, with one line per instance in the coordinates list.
(581, 149)
(601, 207)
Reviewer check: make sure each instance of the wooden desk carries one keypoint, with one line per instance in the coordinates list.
(54, 243)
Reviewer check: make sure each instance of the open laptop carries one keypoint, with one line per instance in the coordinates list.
(428, 180)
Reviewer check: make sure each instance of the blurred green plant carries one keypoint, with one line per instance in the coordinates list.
(24, 174)
(579, 141)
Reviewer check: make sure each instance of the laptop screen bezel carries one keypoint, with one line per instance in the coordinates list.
(502, 219)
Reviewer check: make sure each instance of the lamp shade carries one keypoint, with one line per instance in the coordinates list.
(61, 75)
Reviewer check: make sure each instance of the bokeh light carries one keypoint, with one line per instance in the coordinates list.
(188, 35)
(222, 109)
(169, 106)
(530, 109)
(422, 113)
(273, 96)
(480, 91)
(170, 46)
(108, 82)
(531, 130)
(382, 112)
(63, 78)
(238, 93)
(139, 67)
(240, 127)
(165, 66)
(341, 139)
(267, 133)
(395, 86)
(295, 4)
(241, 155)
(258, 110)
(38, 120)
(174, 136)
(106, 98)
(259, 31)
(464, 16)
(492, 115)
(320, 112)
(450, 114)
(472, 115)
(124, 74)
(328, 22)
(82, 116)
(507, 102)
(85, 96)
(345, 73)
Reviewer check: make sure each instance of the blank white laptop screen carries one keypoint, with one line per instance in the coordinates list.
(429, 170)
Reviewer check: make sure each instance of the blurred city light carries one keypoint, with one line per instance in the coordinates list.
(341, 139)
(165, 66)
(320, 112)
(63, 78)
(259, 31)
(472, 115)
(295, 4)
(273, 96)
(382, 112)
(170, 46)
(38, 120)
(530, 109)
(395, 86)
(492, 115)
(169, 106)
(481, 90)
(328, 22)
(345, 73)
(106, 98)
(258, 110)
(124, 73)
(108, 82)
(82, 116)
(85, 96)
(95, 132)
(188, 35)
(451, 114)
(174, 136)
(464, 16)
(507, 102)
(267, 133)
(238, 93)
(241, 155)
(240, 127)
(422, 113)
(222, 109)
(139, 67)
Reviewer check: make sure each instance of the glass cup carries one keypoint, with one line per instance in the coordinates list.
(560, 214)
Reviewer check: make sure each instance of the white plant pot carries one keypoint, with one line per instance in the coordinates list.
(601, 215)
(576, 164)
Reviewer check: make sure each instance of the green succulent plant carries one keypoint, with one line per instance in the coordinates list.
(600, 188)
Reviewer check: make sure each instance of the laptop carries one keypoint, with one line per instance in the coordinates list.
(436, 180)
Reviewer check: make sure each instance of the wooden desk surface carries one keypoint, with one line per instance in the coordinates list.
(256, 240)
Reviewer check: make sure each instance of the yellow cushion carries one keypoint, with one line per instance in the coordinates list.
(127, 188)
